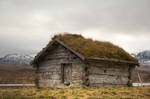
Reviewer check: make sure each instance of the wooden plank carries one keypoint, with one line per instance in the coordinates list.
(108, 71)
(139, 77)
(140, 84)
(105, 84)
(76, 53)
(108, 79)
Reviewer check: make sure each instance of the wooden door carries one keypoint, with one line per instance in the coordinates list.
(66, 73)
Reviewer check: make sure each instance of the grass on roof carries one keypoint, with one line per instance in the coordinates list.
(90, 48)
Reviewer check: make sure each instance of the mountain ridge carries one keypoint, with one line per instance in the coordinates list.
(24, 59)
(143, 57)
(16, 59)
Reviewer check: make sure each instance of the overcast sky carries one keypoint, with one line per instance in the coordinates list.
(26, 26)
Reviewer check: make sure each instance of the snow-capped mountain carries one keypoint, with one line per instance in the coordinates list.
(143, 57)
(16, 59)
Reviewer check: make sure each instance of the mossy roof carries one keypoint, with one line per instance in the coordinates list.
(92, 48)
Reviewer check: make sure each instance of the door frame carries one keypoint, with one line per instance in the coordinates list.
(62, 71)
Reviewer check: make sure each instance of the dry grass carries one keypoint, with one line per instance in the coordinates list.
(78, 93)
(10, 74)
(91, 48)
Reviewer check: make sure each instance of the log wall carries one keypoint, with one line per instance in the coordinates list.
(99, 76)
(50, 68)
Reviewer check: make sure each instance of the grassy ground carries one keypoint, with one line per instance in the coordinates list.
(78, 93)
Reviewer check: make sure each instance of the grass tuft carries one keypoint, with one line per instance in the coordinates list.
(77, 93)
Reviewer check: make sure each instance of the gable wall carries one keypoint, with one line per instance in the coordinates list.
(50, 68)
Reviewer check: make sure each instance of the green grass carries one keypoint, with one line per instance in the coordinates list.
(78, 93)
(91, 48)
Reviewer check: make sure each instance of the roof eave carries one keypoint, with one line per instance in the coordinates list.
(112, 60)
(34, 61)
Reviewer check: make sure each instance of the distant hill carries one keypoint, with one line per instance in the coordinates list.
(12, 74)
(16, 59)
(143, 57)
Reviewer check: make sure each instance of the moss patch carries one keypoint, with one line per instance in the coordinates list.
(91, 48)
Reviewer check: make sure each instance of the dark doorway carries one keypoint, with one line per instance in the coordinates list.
(66, 71)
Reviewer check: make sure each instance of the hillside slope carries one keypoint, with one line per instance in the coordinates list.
(16, 74)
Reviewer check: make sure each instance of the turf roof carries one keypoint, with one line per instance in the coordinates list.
(90, 48)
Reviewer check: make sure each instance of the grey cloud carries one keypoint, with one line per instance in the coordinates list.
(122, 15)
(32, 21)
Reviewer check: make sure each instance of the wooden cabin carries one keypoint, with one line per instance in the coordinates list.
(70, 60)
